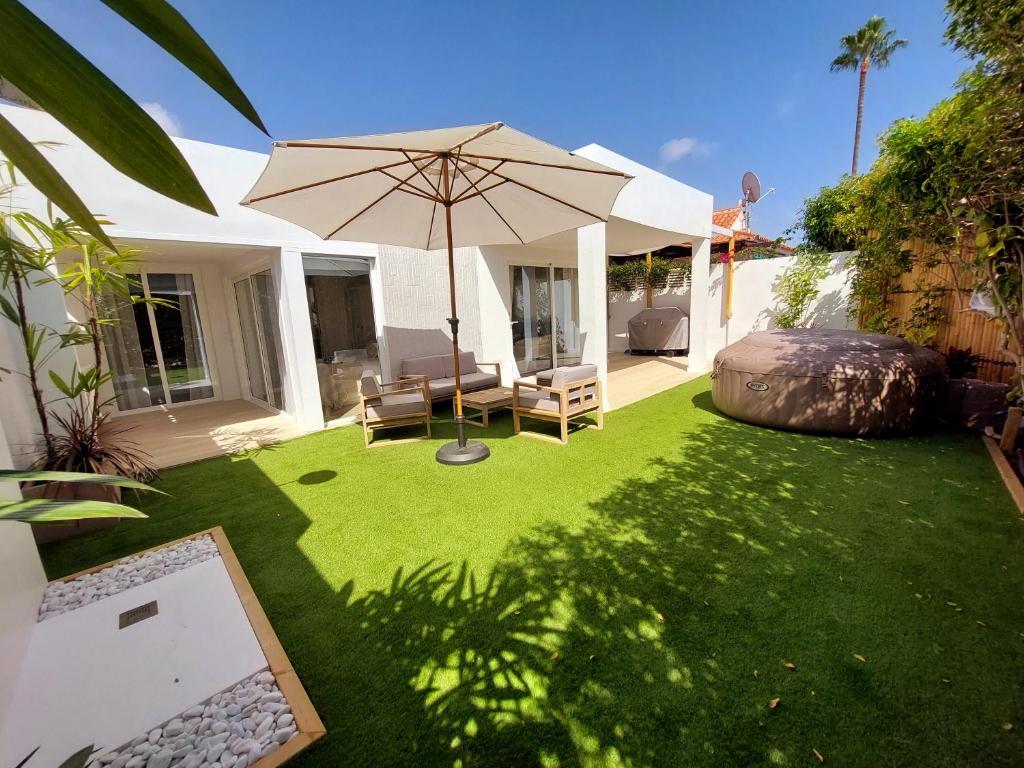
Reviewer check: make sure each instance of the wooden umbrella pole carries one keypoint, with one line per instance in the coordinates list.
(454, 319)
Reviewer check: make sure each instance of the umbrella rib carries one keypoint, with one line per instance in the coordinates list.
(496, 212)
(542, 194)
(488, 173)
(605, 172)
(435, 187)
(408, 187)
(463, 197)
(368, 207)
(483, 132)
(321, 183)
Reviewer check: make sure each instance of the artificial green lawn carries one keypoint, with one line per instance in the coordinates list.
(632, 598)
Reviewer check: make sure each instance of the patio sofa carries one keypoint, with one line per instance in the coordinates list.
(437, 374)
(559, 395)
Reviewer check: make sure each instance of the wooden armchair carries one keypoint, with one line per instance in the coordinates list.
(573, 392)
(392, 404)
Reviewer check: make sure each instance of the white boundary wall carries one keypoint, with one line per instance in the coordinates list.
(754, 304)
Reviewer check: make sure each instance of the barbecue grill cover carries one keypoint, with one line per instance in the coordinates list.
(658, 329)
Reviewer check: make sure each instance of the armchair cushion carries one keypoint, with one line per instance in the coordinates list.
(432, 367)
(538, 399)
(397, 404)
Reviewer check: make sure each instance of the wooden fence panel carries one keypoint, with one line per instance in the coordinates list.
(962, 328)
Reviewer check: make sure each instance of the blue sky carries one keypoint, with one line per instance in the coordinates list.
(730, 86)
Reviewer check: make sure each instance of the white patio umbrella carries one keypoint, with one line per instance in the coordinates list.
(445, 188)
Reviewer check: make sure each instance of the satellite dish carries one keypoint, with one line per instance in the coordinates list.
(751, 187)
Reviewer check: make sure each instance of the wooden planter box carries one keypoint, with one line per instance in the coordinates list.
(1010, 478)
(309, 726)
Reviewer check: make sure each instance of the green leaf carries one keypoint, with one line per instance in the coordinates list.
(159, 21)
(89, 478)
(9, 311)
(65, 84)
(80, 759)
(59, 510)
(41, 174)
(62, 386)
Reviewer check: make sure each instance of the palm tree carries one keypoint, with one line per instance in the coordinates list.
(871, 44)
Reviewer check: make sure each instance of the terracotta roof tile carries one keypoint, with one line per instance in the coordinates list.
(725, 217)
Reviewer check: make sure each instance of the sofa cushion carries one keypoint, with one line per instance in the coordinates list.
(538, 400)
(368, 384)
(432, 367)
(441, 388)
(397, 404)
(467, 364)
(471, 382)
(544, 377)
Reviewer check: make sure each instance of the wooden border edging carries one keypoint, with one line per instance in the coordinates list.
(1010, 479)
(310, 727)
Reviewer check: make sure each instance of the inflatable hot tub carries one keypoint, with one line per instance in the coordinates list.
(828, 381)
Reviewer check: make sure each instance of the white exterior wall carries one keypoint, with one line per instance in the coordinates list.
(416, 303)
(22, 582)
(754, 302)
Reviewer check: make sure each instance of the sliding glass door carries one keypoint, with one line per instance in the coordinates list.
(261, 340)
(156, 349)
(545, 317)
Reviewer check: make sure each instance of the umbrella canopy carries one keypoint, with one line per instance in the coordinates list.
(468, 186)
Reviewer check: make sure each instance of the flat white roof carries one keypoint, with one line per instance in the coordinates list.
(227, 173)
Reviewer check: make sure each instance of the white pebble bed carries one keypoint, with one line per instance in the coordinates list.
(63, 596)
(232, 729)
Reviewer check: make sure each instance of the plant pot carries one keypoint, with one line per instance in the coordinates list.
(47, 532)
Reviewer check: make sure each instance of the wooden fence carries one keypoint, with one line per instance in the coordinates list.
(961, 328)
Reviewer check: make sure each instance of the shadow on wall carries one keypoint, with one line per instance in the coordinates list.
(404, 343)
(829, 310)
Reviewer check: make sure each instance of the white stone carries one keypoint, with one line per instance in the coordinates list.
(281, 735)
(161, 759)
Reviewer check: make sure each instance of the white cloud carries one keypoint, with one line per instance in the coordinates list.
(163, 117)
(684, 146)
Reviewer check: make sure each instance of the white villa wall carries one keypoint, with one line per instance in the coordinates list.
(754, 304)
(416, 303)
(22, 582)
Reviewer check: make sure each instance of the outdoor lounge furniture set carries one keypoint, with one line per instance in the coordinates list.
(558, 395)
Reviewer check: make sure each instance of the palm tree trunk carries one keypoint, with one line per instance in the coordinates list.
(865, 63)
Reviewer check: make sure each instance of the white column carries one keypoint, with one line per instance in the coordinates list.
(299, 379)
(591, 261)
(377, 297)
(700, 292)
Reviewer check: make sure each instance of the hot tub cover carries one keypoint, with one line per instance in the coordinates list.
(659, 328)
(825, 380)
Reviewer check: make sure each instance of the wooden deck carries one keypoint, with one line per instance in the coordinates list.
(204, 430)
(632, 378)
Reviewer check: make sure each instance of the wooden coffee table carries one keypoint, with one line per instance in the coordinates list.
(485, 401)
